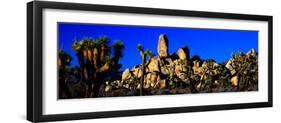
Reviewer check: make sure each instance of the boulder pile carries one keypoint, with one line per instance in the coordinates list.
(166, 71)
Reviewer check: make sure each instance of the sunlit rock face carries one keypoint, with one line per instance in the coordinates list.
(196, 67)
(126, 74)
(234, 80)
(153, 65)
(162, 48)
(136, 71)
(251, 52)
(183, 53)
(229, 66)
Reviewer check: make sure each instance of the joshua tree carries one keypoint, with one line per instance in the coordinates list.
(172, 76)
(118, 48)
(223, 76)
(189, 73)
(100, 64)
(194, 76)
(94, 60)
(246, 69)
(64, 60)
(104, 48)
(144, 63)
(139, 47)
(207, 78)
(149, 54)
(75, 72)
(78, 48)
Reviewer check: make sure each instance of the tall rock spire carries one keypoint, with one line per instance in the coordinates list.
(162, 48)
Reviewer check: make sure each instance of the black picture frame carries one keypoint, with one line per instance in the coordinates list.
(34, 60)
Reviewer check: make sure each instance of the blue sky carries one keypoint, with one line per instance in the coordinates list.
(207, 43)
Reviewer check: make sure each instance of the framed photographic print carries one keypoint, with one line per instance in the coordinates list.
(95, 61)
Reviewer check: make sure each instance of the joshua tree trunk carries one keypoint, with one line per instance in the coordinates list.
(63, 84)
(143, 57)
(96, 58)
(64, 89)
(102, 54)
(81, 63)
(98, 78)
(63, 62)
(143, 72)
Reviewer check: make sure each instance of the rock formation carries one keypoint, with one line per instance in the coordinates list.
(163, 71)
(162, 48)
(153, 66)
(126, 74)
(229, 66)
(183, 53)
